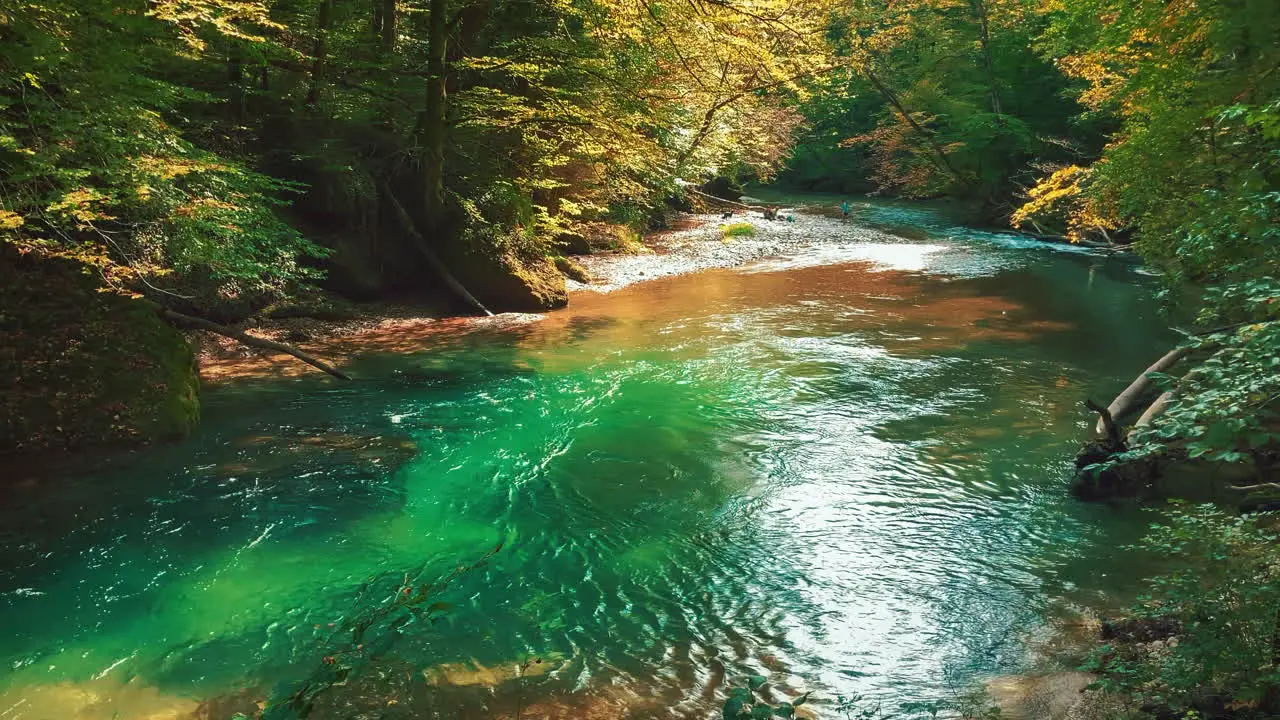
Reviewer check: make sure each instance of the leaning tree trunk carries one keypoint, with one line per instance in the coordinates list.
(178, 318)
(424, 248)
(940, 155)
(1127, 401)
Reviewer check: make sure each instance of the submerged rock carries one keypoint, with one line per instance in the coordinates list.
(83, 366)
(474, 673)
(1048, 696)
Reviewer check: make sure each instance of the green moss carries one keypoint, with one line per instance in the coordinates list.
(739, 229)
(508, 283)
(83, 367)
(572, 269)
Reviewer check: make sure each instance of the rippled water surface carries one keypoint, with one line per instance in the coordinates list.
(844, 469)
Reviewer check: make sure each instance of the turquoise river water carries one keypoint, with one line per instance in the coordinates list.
(845, 469)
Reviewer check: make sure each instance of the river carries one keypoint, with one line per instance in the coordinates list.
(845, 469)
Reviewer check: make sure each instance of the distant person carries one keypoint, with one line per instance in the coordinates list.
(790, 219)
(846, 208)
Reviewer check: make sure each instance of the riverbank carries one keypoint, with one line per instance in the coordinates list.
(699, 245)
(695, 245)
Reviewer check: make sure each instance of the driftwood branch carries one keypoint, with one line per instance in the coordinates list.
(1127, 401)
(1107, 422)
(1255, 488)
(178, 318)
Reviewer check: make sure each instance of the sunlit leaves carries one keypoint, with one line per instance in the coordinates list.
(96, 169)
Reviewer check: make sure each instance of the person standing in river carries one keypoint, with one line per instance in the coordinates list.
(846, 208)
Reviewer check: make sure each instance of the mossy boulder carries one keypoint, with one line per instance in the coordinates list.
(509, 283)
(81, 367)
(572, 269)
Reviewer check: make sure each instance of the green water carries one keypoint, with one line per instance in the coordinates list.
(845, 469)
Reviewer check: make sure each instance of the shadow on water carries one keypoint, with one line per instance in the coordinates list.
(844, 469)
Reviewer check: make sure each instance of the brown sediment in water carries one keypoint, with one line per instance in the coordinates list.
(1048, 696)
(902, 312)
(223, 359)
(268, 453)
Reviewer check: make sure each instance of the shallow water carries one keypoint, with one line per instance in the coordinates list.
(845, 469)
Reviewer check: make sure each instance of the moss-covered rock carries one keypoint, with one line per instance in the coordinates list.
(82, 367)
(508, 283)
(572, 269)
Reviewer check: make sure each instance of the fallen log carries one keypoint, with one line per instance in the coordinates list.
(178, 318)
(1108, 423)
(1126, 402)
(1153, 410)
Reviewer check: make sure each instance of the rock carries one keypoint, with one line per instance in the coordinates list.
(572, 269)
(474, 673)
(509, 283)
(573, 242)
(81, 367)
(1051, 696)
(1140, 630)
(1128, 479)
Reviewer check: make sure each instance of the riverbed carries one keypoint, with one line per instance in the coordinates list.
(842, 465)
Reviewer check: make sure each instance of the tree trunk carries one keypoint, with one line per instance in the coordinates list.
(1127, 400)
(1155, 409)
(213, 327)
(980, 10)
(1108, 423)
(319, 49)
(375, 19)
(942, 160)
(388, 26)
(235, 77)
(431, 121)
(424, 247)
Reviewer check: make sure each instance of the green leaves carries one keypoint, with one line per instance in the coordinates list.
(1221, 602)
(1228, 405)
(99, 167)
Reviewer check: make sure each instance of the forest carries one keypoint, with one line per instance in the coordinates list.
(168, 166)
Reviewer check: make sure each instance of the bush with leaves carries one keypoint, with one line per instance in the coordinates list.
(97, 166)
(1223, 599)
(1227, 408)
